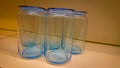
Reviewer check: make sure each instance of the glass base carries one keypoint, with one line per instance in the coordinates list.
(31, 50)
(76, 50)
(54, 46)
(57, 57)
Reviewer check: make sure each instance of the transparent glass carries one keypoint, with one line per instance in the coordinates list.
(79, 33)
(31, 31)
(58, 43)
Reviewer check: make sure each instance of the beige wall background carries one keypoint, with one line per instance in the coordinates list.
(103, 16)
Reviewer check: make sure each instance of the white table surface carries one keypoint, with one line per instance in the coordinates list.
(94, 56)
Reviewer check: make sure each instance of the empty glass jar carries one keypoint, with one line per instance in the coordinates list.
(31, 22)
(58, 43)
(79, 31)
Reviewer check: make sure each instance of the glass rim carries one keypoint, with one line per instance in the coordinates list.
(60, 10)
(31, 8)
(79, 12)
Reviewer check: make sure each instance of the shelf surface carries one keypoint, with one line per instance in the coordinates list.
(94, 56)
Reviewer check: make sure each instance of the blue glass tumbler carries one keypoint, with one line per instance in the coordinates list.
(31, 22)
(79, 31)
(58, 42)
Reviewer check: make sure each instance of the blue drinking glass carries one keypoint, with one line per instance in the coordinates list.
(58, 42)
(79, 31)
(31, 22)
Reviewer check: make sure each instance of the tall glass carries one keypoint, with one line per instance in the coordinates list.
(58, 43)
(31, 31)
(79, 33)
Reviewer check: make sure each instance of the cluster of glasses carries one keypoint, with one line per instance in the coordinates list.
(56, 33)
